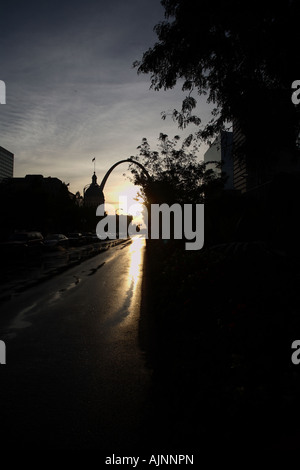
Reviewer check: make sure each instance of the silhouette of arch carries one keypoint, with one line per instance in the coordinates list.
(118, 163)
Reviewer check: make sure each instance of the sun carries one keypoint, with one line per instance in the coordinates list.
(129, 202)
(124, 201)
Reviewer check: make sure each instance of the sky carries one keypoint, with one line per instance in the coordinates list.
(72, 93)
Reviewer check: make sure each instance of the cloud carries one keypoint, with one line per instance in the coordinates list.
(72, 93)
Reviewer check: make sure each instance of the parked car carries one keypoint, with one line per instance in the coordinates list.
(87, 237)
(95, 238)
(55, 240)
(23, 243)
(76, 239)
(90, 237)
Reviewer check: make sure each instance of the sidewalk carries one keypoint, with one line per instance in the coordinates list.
(19, 276)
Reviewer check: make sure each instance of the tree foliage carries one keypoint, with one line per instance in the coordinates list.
(176, 173)
(241, 55)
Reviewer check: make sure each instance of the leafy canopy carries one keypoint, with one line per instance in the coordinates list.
(242, 55)
(177, 175)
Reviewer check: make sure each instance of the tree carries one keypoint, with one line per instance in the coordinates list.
(177, 175)
(242, 57)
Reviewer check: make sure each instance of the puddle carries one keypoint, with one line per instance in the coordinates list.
(19, 322)
(94, 270)
(59, 293)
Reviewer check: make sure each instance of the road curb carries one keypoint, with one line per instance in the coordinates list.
(61, 269)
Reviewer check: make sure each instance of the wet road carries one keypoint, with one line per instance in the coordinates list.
(75, 376)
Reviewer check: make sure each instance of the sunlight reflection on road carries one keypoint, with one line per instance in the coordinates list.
(124, 304)
(135, 269)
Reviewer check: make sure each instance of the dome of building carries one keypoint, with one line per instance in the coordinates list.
(93, 195)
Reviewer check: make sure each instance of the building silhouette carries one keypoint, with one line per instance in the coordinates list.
(36, 203)
(51, 185)
(92, 194)
(6, 164)
(220, 151)
(253, 173)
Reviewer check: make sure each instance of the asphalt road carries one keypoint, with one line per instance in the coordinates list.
(75, 376)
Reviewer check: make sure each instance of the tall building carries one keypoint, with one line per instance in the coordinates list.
(6, 164)
(240, 167)
(220, 151)
(254, 174)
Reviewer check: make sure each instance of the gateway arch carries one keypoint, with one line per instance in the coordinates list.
(94, 193)
(118, 163)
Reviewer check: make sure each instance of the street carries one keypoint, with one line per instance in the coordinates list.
(75, 376)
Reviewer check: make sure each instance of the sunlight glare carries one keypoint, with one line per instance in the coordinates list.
(135, 251)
